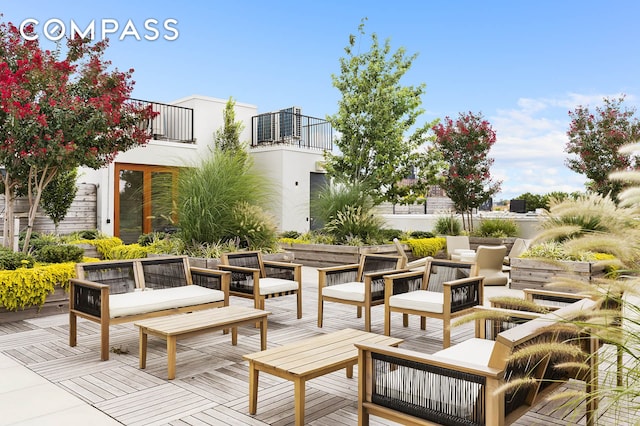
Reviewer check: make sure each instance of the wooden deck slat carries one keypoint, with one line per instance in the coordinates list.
(211, 386)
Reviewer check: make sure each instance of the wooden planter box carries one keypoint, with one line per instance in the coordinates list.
(212, 263)
(533, 273)
(56, 303)
(322, 255)
(474, 242)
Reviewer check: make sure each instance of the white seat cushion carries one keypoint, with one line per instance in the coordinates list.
(142, 302)
(419, 300)
(353, 291)
(474, 351)
(276, 285)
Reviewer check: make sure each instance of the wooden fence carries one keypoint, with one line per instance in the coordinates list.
(82, 214)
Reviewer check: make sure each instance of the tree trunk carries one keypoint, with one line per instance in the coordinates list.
(8, 228)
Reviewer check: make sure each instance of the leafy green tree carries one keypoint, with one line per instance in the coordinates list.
(596, 137)
(465, 145)
(227, 138)
(374, 117)
(534, 201)
(58, 196)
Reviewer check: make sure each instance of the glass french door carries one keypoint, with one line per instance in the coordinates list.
(144, 200)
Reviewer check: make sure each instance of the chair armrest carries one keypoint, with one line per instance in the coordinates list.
(283, 265)
(243, 280)
(89, 298)
(238, 269)
(284, 270)
(463, 293)
(212, 278)
(382, 274)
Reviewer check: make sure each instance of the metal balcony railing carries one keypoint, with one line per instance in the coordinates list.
(173, 123)
(283, 127)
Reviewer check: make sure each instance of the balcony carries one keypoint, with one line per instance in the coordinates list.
(289, 127)
(173, 123)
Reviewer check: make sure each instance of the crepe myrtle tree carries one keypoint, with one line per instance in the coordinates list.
(595, 137)
(465, 145)
(374, 118)
(57, 112)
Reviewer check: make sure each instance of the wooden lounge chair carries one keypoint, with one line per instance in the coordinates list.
(258, 279)
(359, 284)
(443, 289)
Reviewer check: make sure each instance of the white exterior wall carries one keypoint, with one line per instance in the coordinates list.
(289, 168)
(528, 225)
(207, 118)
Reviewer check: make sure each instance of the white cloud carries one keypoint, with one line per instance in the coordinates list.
(529, 150)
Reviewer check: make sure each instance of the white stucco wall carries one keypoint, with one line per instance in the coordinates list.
(289, 168)
(207, 118)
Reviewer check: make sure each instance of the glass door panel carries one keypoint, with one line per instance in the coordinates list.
(131, 192)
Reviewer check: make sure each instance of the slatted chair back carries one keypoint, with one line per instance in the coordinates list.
(119, 275)
(440, 271)
(165, 272)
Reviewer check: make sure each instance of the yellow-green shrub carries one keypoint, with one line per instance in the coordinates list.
(423, 247)
(22, 288)
(102, 245)
(128, 251)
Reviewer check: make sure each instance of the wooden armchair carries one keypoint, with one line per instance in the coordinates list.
(258, 279)
(360, 284)
(443, 289)
(459, 385)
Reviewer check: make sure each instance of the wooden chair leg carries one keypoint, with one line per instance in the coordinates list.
(73, 329)
(405, 320)
(423, 323)
(359, 312)
(387, 320)
(320, 308)
(299, 296)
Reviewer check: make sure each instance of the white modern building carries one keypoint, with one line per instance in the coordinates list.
(286, 145)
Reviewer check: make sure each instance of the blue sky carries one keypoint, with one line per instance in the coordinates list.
(522, 64)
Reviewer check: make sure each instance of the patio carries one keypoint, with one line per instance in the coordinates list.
(44, 381)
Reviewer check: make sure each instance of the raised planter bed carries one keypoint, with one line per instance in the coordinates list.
(322, 255)
(474, 242)
(55, 303)
(535, 273)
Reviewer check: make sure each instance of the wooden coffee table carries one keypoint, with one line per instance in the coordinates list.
(187, 325)
(310, 358)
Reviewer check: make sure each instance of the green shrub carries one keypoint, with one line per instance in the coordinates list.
(555, 251)
(389, 234)
(290, 234)
(447, 225)
(332, 199)
(423, 247)
(421, 234)
(253, 227)
(60, 253)
(356, 225)
(91, 234)
(497, 228)
(11, 260)
(38, 241)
